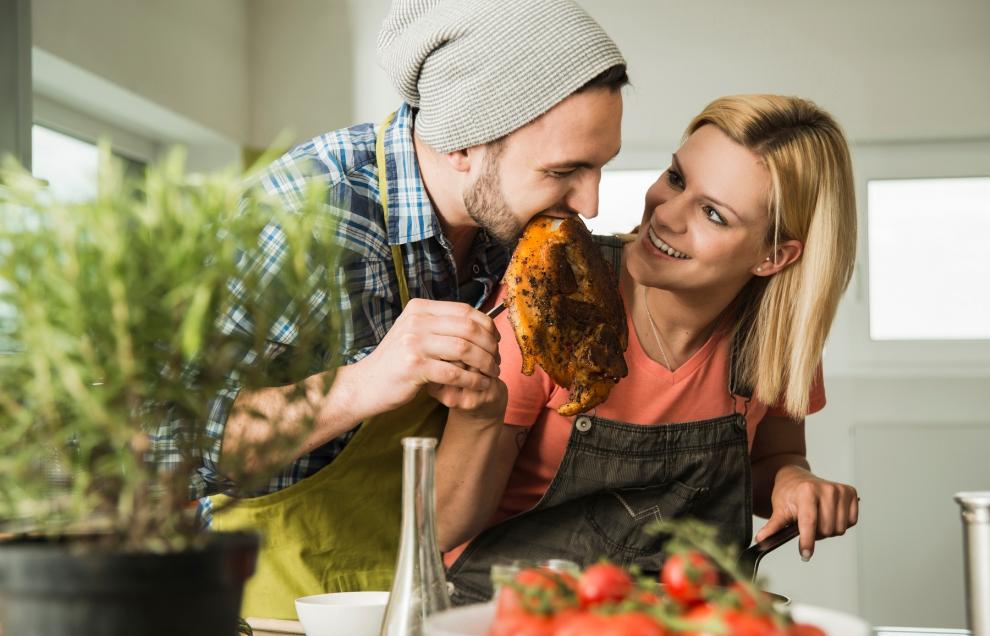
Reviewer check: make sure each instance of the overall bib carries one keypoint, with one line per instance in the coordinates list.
(615, 480)
(337, 530)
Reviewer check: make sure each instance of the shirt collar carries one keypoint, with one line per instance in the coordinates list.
(411, 215)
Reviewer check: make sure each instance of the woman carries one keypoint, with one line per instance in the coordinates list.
(730, 285)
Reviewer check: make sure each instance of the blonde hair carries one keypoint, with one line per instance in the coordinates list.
(784, 320)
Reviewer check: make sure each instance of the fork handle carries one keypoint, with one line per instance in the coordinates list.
(750, 558)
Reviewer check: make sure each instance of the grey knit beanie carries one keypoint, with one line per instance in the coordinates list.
(479, 69)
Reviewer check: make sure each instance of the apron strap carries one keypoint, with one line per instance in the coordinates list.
(400, 268)
(738, 389)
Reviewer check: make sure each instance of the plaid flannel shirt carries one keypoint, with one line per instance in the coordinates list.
(345, 160)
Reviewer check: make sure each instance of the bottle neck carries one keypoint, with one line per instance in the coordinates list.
(419, 511)
(420, 584)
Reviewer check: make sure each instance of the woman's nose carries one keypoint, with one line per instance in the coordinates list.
(671, 212)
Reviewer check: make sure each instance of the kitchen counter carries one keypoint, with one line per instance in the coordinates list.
(919, 631)
(275, 627)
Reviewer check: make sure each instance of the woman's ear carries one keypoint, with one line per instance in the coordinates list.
(786, 254)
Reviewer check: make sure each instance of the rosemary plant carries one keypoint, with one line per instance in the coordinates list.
(111, 320)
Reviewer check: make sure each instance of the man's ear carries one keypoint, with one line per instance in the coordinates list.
(786, 254)
(461, 160)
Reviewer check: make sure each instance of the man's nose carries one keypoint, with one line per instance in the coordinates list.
(583, 197)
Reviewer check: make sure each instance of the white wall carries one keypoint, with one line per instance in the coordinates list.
(300, 68)
(889, 70)
(373, 96)
(215, 76)
(186, 56)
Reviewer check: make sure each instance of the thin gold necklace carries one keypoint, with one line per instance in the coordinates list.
(656, 332)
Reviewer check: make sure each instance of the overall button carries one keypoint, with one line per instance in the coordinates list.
(476, 269)
(583, 424)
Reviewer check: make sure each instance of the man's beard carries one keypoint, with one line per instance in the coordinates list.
(486, 205)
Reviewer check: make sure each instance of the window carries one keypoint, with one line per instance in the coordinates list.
(621, 197)
(904, 319)
(68, 164)
(931, 235)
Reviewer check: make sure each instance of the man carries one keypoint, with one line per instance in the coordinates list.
(511, 109)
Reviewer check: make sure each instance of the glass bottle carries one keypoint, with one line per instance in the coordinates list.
(975, 509)
(420, 586)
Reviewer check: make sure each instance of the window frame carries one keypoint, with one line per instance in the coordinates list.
(64, 119)
(869, 183)
(600, 224)
(852, 350)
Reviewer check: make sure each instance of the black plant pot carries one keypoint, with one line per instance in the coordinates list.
(60, 588)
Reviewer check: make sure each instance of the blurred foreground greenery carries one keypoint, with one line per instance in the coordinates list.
(111, 320)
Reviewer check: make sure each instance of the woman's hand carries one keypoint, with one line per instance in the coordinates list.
(821, 508)
(476, 455)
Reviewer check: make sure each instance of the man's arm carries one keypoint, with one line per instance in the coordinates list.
(432, 343)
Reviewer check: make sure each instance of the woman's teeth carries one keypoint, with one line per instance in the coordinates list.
(663, 247)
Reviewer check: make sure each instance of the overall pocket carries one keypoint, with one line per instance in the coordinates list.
(623, 518)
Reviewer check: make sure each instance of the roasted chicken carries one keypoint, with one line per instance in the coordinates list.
(566, 312)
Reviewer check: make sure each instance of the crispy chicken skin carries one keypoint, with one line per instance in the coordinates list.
(565, 309)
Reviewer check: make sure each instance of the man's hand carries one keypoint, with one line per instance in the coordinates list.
(821, 508)
(448, 346)
(484, 406)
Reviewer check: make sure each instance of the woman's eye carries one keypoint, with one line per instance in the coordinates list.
(674, 179)
(714, 216)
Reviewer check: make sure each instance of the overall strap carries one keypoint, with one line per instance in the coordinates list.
(737, 387)
(611, 249)
(400, 269)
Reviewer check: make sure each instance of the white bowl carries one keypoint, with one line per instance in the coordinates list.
(342, 613)
(474, 620)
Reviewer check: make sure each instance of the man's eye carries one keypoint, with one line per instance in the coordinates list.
(559, 174)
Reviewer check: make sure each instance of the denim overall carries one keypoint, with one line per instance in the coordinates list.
(615, 480)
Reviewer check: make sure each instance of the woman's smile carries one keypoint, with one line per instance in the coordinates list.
(664, 247)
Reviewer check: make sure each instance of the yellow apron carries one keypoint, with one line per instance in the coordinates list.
(337, 530)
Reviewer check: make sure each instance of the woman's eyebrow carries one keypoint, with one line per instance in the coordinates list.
(677, 165)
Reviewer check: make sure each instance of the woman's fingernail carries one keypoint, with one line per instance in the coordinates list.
(805, 555)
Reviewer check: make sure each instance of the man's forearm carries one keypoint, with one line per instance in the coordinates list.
(765, 473)
(267, 429)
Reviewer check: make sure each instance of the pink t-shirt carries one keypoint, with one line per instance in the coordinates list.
(650, 394)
